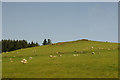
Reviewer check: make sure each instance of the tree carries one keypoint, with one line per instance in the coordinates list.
(36, 44)
(11, 45)
(45, 42)
(49, 41)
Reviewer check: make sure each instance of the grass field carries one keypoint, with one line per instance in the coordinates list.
(102, 64)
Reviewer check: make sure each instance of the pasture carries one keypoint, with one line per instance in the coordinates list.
(75, 59)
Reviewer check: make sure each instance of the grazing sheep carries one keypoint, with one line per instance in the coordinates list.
(74, 54)
(93, 52)
(58, 52)
(51, 56)
(30, 58)
(92, 47)
(24, 61)
(60, 55)
(54, 56)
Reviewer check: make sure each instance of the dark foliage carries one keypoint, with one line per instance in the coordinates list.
(49, 41)
(45, 42)
(10, 45)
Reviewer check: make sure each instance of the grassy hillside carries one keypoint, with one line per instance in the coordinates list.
(102, 64)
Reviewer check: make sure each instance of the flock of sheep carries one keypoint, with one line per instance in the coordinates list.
(24, 61)
(60, 54)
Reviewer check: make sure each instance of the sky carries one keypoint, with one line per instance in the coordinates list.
(60, 21)
(59, 0)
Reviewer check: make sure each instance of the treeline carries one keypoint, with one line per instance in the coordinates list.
(47, 42)
(10, 45)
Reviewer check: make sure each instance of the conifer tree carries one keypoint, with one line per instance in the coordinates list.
(45, 42)
(49, 41)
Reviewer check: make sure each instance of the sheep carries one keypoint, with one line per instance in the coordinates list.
(51, 56)
(24, 61)
(92, 47)
(93, 52)
(30, 58)
(58, 52)
(54, 56)
(60, 55)
(74, 54)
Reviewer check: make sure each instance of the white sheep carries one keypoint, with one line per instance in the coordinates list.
(92, 47)
(24, 61)
(30, 58)
(51, 56)
(93, 52)
(60, 55)
(54, 56)
(74, 54)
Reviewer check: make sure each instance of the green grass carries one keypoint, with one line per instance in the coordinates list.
(103, 64)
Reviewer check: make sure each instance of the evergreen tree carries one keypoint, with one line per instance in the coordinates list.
(49, 41)
(45, 42)
(10, 45)
(36, 44)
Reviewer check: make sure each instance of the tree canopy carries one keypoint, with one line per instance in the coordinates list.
(10, 45)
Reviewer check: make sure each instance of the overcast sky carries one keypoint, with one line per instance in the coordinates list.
(60, 21)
